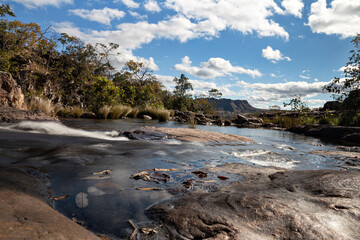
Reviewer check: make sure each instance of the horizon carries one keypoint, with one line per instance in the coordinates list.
(266, 52)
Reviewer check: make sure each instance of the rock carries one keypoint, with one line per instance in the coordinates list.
(197, 135)
(10, 92)
(244, 121)
(8, 114)
(227, 123)
(88, 115)
(146, 117)
(269, 203)
(332, 105)
(140, 133)
(336, 134)
(25, 214)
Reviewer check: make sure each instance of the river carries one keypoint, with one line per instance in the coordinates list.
(66, 155)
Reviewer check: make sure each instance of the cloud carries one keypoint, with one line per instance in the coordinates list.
(213, 68)
(273, 55)
(293, 7)
(304, 77)
(264, 92)
(137, 15)
(128, 3)
(104, 16)
(342, 18)
(40, 3)
(246, 16)
(152, 6)
(94, 37)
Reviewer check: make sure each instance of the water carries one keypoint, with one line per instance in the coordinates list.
(66, 156)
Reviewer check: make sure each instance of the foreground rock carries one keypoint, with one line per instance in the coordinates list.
(26, 215)
(197, 135)
(268, 204)
(8, 114)
(337, 134)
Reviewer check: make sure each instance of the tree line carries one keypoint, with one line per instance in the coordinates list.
(67, 71)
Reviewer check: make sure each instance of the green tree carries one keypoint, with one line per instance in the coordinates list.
(6, 10)
(215, 93)
(182, 100)
(296, 104)
(352, 73)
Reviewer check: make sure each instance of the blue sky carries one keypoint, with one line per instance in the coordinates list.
(265, 51)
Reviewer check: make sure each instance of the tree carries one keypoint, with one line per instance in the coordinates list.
(275, 108)
(296, 104)
(181, 98)
(6, 10)
(352, 73)
(215, 93)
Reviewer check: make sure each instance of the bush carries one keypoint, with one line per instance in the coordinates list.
(77, 111)
(116, 111)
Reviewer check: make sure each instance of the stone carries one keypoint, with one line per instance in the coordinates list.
(146, 117)
(270, 203)
(10, 92)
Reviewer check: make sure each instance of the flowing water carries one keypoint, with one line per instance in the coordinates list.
(66, 156)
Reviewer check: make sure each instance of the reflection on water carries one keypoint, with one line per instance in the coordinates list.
(71, 154)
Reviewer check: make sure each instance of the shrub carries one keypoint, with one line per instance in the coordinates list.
(134, 112)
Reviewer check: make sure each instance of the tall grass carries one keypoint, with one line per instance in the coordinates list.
(119, 111)
(104, 111)
(155, 113)
(77, 111)
(134, 112)
(40, 104)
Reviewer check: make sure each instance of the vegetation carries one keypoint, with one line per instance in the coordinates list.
(75, 77)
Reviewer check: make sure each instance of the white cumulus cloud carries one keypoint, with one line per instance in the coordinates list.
(246, 16)
(273, 55)
(264, 92)
(129, 3)
(293, 7)
(152, 6)
(104, 16)
(40, 3)
(214, 67)
(342, 18)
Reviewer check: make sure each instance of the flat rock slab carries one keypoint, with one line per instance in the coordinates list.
(269, 204)
(24, 214)
(8, 114)
(197, 135)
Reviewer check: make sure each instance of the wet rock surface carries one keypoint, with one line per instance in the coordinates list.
(141, 133)
(26, 215)
(8, 114)
(270, 203)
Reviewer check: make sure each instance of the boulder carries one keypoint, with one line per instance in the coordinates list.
(242, 120)
(10, 92)
(140, 133)
(332, 105)
(146, 117)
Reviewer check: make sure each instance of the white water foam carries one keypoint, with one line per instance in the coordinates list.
(55, 128)
(266, 158)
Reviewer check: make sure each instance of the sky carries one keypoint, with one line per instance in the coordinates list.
(264, 51)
